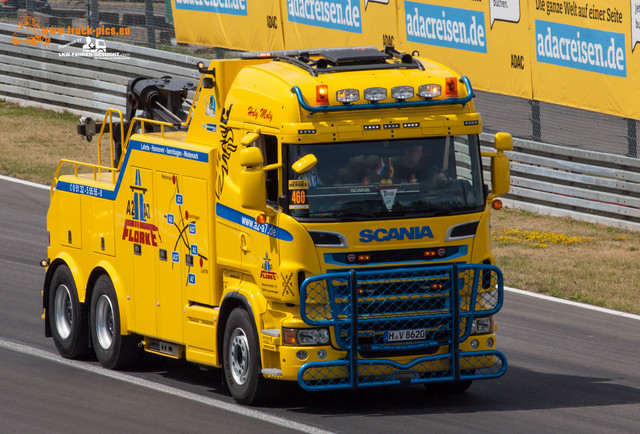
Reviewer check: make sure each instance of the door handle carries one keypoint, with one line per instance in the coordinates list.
(243, 244)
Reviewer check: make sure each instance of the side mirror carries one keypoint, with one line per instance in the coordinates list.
(252, 182)
(249, 138)
(503, 142)
(500, 172)
(304, 164)
(500, 178)
(251, 157)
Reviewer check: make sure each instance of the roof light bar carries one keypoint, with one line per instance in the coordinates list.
(405, 104)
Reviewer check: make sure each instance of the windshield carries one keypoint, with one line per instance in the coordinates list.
(387, 178)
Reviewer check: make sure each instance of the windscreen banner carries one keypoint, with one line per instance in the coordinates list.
(575, 53)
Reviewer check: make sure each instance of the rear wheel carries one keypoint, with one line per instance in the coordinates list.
(67, 316)
(113, 350)
(241, 359)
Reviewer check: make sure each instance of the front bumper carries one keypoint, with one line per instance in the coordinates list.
(364, 306)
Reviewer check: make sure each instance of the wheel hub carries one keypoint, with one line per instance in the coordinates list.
(104, 322)
(239, 356)
(63, 311)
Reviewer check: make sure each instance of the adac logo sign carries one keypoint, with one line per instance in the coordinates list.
(137, 229)
(398, 234)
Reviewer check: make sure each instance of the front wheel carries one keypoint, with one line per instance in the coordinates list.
(67, 316)
(113, 350)
(241, 359)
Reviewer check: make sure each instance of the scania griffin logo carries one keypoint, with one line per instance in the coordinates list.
(400, 234)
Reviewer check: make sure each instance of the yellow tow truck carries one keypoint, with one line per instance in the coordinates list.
(317, 216)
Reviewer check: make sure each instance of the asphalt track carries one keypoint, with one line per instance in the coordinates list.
(571, 369)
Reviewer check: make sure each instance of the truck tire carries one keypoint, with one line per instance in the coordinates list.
(113, 350)
(241, 359)
(67, 316)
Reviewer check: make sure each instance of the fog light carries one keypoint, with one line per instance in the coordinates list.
(302, 355)
(474, 344)
(490, 342)
(322, 354)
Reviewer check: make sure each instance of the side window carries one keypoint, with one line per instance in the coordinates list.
(269, 147)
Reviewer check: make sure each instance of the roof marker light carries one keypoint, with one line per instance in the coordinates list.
(451, 86)
(429, 91)
(322, 94)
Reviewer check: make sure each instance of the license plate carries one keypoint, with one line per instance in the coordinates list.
(405, 335)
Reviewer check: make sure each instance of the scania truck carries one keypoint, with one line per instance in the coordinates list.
(310, 216)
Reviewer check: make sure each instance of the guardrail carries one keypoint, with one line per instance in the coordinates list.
(561, 181)
(58, 75)
(566, 182)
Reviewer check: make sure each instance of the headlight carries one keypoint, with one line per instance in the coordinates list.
(318, 336)
(482, 326)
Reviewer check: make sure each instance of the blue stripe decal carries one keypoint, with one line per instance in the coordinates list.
(170, 150)
(134, 145)
(247, 221)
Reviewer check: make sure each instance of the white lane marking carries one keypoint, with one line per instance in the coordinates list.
(23, 182)
(211, 402)
(573, 303)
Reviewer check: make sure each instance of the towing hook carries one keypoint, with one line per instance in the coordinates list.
(87, 128)
(44, 263)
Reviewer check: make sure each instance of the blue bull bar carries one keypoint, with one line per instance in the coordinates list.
(402, 326)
